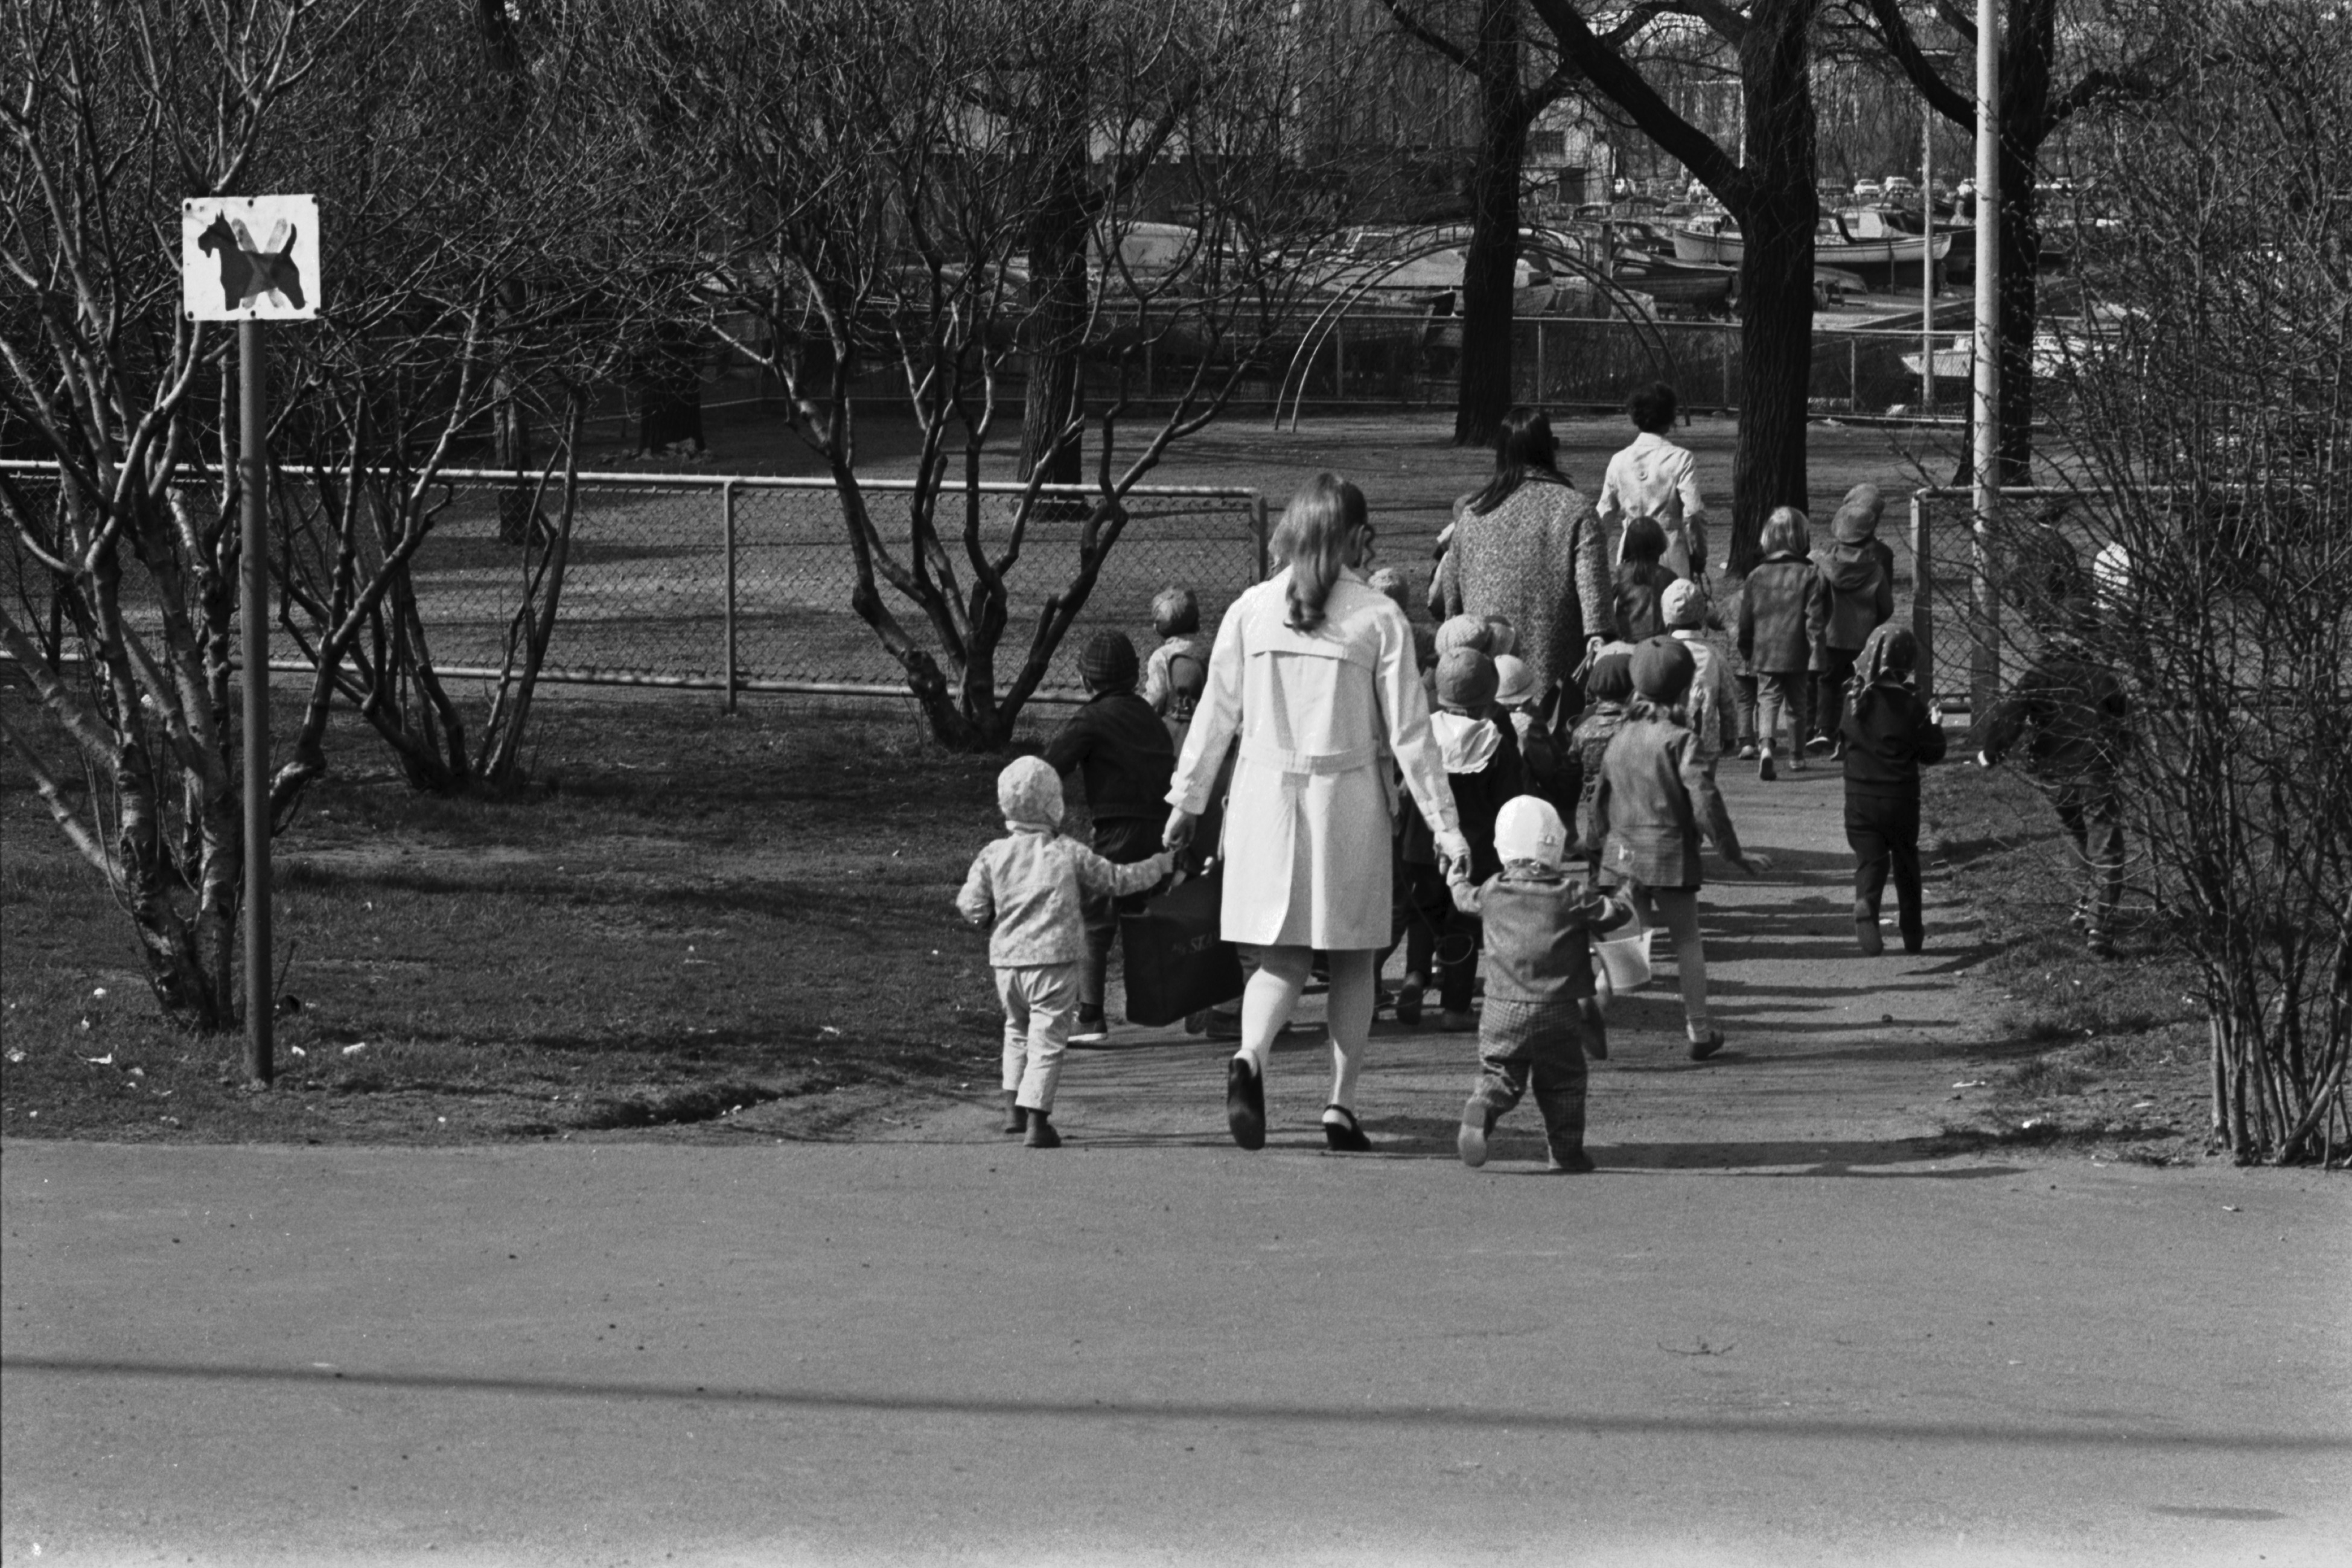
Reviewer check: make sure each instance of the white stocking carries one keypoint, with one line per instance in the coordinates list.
(1269, 999)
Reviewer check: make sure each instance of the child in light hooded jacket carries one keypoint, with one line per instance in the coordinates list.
(1032, 883)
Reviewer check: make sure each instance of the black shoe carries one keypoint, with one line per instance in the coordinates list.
(1348, 1139)
(1866, 935)
(1040, 1133)
(1702, 1049)
(1575, 1163)
(1407, 1002)
(1246, 1104)
(1015, 1118)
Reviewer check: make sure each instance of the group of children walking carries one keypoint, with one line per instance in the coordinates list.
(1553, 791)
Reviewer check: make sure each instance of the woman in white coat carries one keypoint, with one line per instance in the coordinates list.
(1315, 673)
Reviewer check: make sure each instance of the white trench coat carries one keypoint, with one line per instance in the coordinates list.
(1309, 823)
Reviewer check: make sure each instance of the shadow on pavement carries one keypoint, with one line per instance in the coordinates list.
(2109, 1433)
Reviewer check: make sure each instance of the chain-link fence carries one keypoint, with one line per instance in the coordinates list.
(665, 575)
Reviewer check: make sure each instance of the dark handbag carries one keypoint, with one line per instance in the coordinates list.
(1176, 962)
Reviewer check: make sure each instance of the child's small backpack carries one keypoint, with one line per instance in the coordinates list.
(1188, 677)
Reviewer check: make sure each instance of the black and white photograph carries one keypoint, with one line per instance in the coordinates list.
(1176, 782)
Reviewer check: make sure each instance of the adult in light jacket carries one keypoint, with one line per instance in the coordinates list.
(1314, 671)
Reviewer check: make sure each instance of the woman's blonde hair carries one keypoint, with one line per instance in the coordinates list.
(1312, 539)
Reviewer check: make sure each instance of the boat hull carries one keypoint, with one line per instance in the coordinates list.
(1850, 256)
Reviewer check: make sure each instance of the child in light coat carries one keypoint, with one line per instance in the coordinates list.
(1857, 598)
(1032, 883)
(1540, 922)
(1776, 613)
(1714, 695)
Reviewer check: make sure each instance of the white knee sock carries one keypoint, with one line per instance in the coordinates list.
(1266, 1004)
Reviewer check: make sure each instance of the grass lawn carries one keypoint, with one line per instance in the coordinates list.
(684, 915)
(2108, 1055)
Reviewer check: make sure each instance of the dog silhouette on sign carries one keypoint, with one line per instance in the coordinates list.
(248, 271)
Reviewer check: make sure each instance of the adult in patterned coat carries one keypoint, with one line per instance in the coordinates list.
(1314, 670)
(1528, 548)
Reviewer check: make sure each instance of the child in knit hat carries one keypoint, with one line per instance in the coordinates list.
(1857, 597)
(1889, 735)
(1775, 613)
(1122, 751)
(1542, 758)
(1483, 765)
(1032, 883)
(1538, 923)
(1178, 670)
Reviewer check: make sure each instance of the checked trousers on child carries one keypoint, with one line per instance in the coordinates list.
(1041, 1002)
(1540, 1045)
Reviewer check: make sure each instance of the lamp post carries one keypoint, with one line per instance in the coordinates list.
(1985, 451)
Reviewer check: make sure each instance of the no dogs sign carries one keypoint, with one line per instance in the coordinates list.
(249, 258)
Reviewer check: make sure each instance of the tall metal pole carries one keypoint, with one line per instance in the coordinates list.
(1984, 685)
(1927, 256)
(253, 610)
(727, 633)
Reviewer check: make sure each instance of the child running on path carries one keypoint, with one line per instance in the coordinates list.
(1539, 923)
(1031, 882)
(1889, 734)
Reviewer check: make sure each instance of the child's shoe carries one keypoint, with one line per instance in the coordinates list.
(1346, 1135)
(1706, 1045)
(1040, 1132)
(1747, 755)
(1408, 1001)
(1797, 763)
(1478, 1125)
(1090, 1031)
(1866, 935)
(1765, 770)
(1457, 1021)
(1574, 1163)
(1015, 1118)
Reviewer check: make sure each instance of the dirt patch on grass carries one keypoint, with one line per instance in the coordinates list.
(2102, 1055)
(688, 925)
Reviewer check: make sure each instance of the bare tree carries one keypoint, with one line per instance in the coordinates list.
(1772, 194)
(112, 114)
(434, 345)
(1508, 105)
(875, 200)
(2207, 430)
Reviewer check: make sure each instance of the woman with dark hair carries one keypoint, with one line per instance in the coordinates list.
(1526, 547)
(1314, 669)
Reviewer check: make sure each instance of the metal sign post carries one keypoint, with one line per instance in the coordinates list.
(251, 260)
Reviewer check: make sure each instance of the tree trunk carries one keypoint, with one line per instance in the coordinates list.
(1485, 393)
(1776, 276)
(1055, 330)
(2017, 306)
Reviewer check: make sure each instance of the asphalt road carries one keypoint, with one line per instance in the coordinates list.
(640, 1353)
